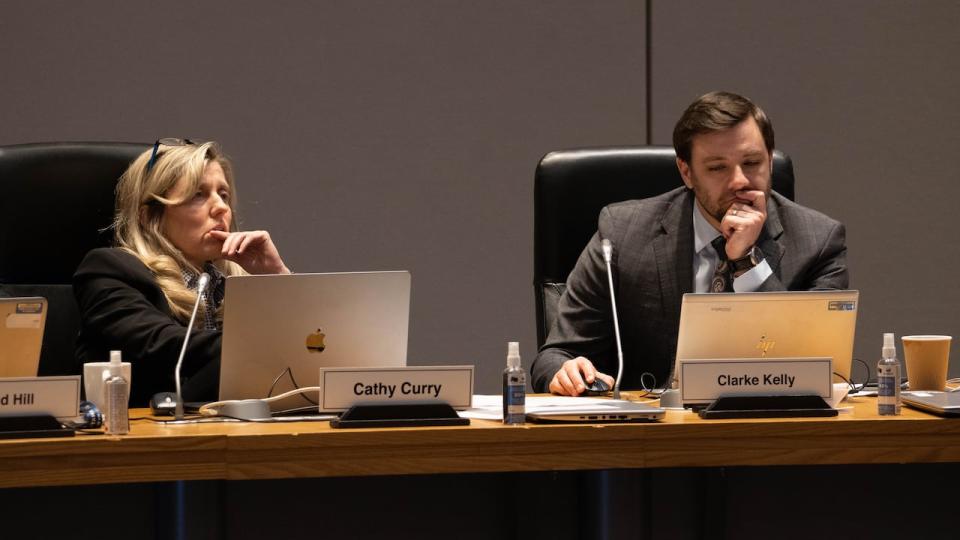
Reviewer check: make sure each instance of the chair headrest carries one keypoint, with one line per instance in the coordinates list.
(56, 199)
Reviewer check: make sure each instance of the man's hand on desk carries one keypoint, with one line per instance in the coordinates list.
(574, 375)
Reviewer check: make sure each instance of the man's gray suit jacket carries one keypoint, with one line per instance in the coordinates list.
(652, 269)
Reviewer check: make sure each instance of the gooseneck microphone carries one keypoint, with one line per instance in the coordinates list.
(607, 256)
(202, 283)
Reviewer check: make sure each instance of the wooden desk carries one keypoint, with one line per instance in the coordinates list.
(234, 451)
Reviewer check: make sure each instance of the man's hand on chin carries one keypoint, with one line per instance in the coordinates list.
(742, 223)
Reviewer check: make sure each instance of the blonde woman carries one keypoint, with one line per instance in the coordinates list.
(174, 220)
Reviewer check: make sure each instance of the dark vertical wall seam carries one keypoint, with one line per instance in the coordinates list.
(649, 71)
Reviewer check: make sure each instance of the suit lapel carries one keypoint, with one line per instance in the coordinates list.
(673, 248)
(769, 240)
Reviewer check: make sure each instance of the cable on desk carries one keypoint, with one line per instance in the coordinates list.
(289, 372)
(853, 388)
(652, 389)
(197, 419)
(164, 421)
(210, 409)
(866, 367)
(297, 410)
(851, 383)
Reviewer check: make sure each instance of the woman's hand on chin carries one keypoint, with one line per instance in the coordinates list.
(253, 250)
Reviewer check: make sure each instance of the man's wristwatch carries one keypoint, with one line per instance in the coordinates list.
(747, 262)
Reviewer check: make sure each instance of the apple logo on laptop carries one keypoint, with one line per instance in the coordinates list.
(315, 341)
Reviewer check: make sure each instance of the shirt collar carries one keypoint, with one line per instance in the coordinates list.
(703, 231)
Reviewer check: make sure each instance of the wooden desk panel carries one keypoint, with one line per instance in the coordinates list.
(98, 459)
(235, 451)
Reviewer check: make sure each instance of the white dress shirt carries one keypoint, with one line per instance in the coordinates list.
(705, 259)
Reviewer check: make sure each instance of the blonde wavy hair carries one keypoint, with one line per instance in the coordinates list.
(141, 201)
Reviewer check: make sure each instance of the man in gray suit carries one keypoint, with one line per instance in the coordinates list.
(725, 231)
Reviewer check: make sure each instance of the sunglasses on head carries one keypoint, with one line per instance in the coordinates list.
(166, 142)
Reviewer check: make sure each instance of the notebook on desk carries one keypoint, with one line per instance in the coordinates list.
(302, 322)
(21, 335)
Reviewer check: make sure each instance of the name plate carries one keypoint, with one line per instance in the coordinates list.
(704, 380)
(56, 396)
(342, 388)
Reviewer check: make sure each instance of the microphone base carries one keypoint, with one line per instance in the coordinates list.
(671, 399)
(246, 409)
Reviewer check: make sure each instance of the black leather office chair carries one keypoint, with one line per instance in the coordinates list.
(570, 189)
(56, 200)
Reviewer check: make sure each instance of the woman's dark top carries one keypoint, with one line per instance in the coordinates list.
(122, 308)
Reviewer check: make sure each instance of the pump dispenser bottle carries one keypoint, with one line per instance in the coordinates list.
(514, 387)
(888, 379)
(117, 391)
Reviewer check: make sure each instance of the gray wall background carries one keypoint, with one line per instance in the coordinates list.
(374, 135)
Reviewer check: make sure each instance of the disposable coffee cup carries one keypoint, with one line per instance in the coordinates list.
(927, 359)
(95, 375)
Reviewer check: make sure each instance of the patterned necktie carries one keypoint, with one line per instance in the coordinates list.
(722, 280)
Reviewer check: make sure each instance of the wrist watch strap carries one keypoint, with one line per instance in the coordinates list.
(747, 262)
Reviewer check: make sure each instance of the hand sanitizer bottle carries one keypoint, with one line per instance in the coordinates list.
(117, 391)
(888, 379)
(514, 387)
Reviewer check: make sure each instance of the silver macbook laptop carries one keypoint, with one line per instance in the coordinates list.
(792, 324)
(21, 335)
(939, 403)
(605, 412)
(283, 328)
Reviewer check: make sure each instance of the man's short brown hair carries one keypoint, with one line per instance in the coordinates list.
(717, 111)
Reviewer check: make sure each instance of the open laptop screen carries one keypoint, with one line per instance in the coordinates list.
(793, 324)
(21, 335)
(307, 321)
